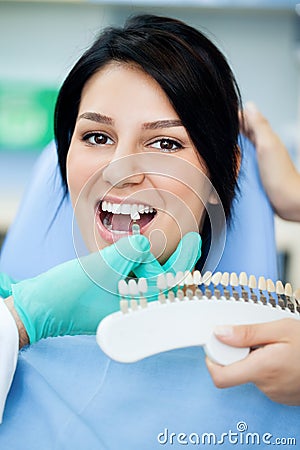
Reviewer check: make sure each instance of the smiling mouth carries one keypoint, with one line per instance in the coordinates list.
(119, 217)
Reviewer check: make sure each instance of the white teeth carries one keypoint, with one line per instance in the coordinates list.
(115, 208)
(125, 208)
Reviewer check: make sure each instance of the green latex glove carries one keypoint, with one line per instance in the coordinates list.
(5, 285)
(184, 258)
(73, 297)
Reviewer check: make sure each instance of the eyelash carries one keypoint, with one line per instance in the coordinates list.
(170, 141)
(94, 135)
(173, 142)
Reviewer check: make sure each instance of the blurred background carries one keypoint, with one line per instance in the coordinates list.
(40, 41)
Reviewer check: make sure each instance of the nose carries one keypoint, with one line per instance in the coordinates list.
(123, 171)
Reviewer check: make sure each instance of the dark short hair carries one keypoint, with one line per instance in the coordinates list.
(192, 72)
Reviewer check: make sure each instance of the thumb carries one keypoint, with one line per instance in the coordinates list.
(186, 254)
(252, 335)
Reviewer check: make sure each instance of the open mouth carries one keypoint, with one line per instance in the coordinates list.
(118, 218)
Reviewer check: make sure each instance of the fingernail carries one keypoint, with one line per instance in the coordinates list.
(222, 330)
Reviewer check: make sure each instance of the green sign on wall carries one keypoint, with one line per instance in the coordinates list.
(26, 116)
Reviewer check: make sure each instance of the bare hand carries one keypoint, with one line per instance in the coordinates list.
(274, 367)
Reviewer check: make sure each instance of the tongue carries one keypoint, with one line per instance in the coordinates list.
(120, 222)
(123, 222)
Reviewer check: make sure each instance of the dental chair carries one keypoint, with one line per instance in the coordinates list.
(67, 394)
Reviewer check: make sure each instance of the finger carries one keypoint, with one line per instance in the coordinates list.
(186, 254)
(149, 268)
(116, 261)
(252, 335)
(241, 372)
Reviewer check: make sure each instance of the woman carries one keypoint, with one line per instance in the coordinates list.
(135, 128)
(144, 119)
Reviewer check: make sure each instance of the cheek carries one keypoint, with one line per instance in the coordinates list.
(183, 205)
(81, 167)
(76, 175)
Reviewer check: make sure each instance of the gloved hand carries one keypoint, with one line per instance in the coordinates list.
(184, 258)
(73, 297)
(5, 285)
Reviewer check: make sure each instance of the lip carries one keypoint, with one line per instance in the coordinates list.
(110, 236)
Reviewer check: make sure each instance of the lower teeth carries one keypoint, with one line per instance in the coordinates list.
(107, 224)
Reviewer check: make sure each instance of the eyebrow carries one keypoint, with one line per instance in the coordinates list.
(162, 124)
(96, 117)
(100, 118)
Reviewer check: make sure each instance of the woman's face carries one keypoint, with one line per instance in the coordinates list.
(131, 159)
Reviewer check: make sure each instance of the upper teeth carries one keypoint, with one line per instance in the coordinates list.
(125, 208)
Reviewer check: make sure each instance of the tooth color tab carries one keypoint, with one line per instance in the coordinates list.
(135, 229)
(135, 215)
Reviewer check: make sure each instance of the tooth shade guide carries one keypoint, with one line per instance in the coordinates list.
(133, 287)
(179, 278)
(180, 294)
(133, 304)
(124, 306)
(252, 285)
(198, 293)
(224, 284)
(296, 297)
(280, 294)
(143, 302)
(171, 296)
(290, 301)
(208, 292)
(271, 292)
(206, 279)
(191, 291)
(189, 294)
(195, 318)
(123, 288)
(142, 285)
(170, 279)
(161, 298)
(188, 279)
(135, 229)
(197, 277)
(262, 286)
(135, 215)
(161, 282)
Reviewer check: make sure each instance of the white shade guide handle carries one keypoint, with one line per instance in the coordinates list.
(224, 354)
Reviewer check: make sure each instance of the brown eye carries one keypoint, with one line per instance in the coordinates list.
(167, 145)
(100, 139)
(97, 139)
